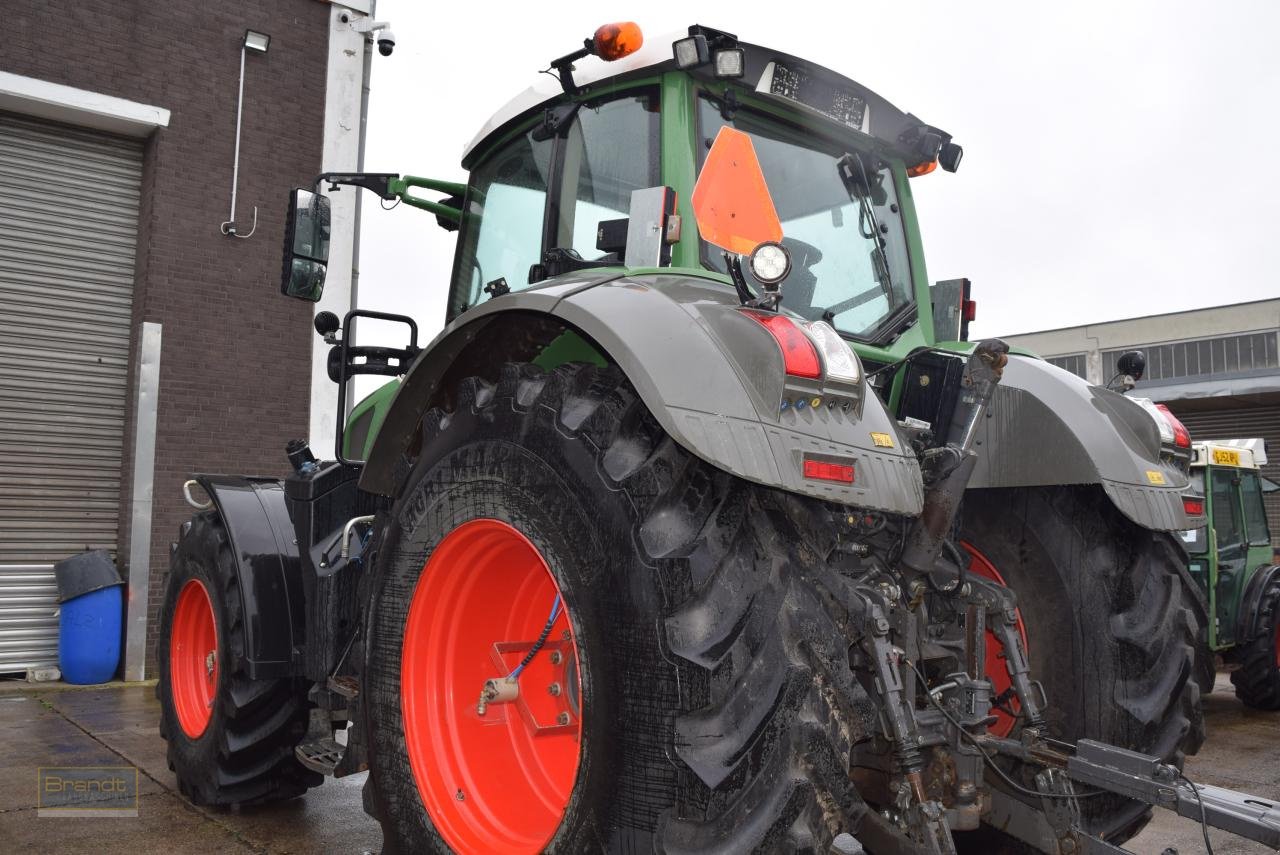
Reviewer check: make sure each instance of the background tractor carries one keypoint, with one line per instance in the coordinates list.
(700, 527)
(1231, 558)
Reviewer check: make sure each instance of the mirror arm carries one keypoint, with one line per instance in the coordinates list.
(399, 189)
(378, 182)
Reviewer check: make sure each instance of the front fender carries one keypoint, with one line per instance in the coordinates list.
(1047, 426)
(712, 378)
(268, 570)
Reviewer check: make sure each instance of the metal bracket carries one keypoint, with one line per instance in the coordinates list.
(1145, 778)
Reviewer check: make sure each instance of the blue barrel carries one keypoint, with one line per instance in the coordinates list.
(89, 636)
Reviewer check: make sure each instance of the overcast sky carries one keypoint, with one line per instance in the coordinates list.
(1119, 156)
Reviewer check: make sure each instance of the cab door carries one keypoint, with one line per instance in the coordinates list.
(1231, 547)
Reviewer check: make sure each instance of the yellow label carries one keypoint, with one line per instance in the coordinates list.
(882, 440)
(1155, 476)
(1226, 457)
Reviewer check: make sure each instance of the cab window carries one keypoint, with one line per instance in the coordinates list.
(1255, 516)
(610, 150)
(1226, 515)
(502, 229)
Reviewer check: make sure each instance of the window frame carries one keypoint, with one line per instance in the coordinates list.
(555, 178)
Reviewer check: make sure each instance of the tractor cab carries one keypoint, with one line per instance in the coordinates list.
(1227, 552)
(567, 177)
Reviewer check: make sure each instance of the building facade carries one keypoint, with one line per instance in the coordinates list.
(143, 334)
(1217, 369)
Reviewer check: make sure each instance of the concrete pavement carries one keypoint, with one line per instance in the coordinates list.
(118, 726)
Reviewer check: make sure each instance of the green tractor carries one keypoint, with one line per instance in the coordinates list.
(700, 527)
(1231, 559)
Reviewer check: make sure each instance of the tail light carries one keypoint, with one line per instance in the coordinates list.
(1181, 436)
(1193, 506)
(799, 356)
(828, 470)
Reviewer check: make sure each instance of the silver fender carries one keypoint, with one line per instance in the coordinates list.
(712, 377)
(1047, 426)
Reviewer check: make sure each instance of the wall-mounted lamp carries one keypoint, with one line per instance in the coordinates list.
(258, 43)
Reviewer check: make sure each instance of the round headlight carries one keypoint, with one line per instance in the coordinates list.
(770, 263)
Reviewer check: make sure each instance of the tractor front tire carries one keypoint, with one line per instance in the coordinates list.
(694, 693)
(231, 738)
(1115, 626)
(1257, 680)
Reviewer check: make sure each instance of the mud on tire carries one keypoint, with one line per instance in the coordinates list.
(1257, 680)
(245, 754)
(718, 707)
(1115, 625)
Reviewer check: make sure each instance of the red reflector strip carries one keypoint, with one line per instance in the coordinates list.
(799, 356)
(969, 310)
(1193, 507)
(823, 470)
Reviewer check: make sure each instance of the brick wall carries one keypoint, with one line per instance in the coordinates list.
(235, 364)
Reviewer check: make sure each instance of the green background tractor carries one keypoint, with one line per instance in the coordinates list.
(1231, 558)
(620, 559)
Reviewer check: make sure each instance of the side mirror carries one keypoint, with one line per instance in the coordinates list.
(306, 246)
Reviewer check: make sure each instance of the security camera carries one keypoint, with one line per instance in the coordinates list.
(386, 42)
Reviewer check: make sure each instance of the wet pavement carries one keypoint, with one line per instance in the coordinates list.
(117, 726)
(1242, 752)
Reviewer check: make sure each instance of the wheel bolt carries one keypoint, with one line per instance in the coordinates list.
(563, 718)
(556, 658)
(460, 797)
(554, 690)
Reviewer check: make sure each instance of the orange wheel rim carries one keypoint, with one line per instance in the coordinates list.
(997, 671)
(193, 658)
(501, 782)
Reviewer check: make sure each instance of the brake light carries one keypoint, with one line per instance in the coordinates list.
(1181, 437)
(1194, 507)
(799, 356)
(969, 310)
(825, 470)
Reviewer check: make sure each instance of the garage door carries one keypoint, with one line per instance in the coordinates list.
(68, 228)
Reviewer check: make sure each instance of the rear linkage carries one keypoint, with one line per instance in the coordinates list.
(1047, 814)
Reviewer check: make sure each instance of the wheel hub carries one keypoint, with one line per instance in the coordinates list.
(494, 776)
(193, 658)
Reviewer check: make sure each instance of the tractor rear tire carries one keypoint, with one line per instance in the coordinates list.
(716, 704)
(1115, 626)
(231, 739)
(1257, 680)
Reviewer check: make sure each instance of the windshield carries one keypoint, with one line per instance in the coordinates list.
(848, 251)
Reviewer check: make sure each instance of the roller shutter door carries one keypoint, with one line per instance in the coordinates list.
(1243, 423)
(68, 231)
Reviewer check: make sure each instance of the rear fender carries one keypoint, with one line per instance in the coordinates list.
(267, 568)
(1047, 426)
(1247, 620)
(712, 377)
